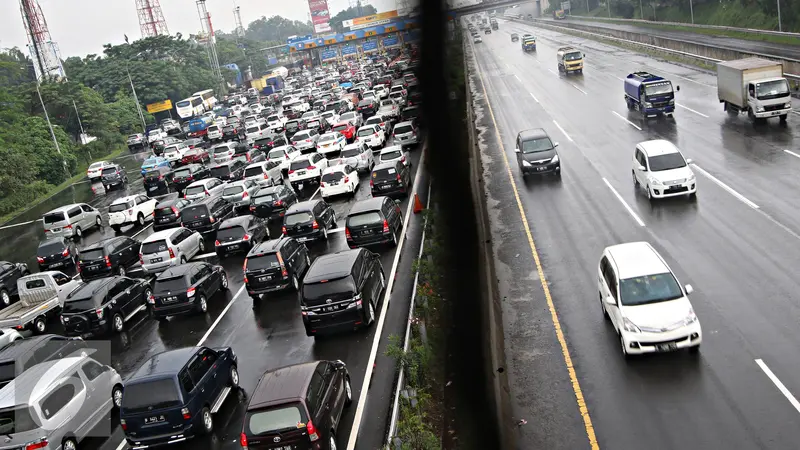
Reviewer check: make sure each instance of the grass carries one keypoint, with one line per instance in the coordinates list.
(81, 169)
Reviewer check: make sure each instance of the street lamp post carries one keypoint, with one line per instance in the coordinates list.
(779, 15)
(641, 9)
(52, 132)
(691, 11)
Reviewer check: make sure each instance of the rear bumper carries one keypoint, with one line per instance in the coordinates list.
(395, 191)
(165, 439)
(102, 328)
(55, 265)
(173, 310)
(104, 272)
(346, 320)
(339, 189)
(151, 268)
(239, 247)
(305, 237)
(203, 229)
(374, 239)
(120, 220)
(253, 290)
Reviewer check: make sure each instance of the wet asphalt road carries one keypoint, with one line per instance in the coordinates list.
(762, 47)
(264, 336)
(738, 245)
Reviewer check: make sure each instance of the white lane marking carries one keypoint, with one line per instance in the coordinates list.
(562, 130)
(315, 193)
(730, 190)
(779, 385)
(796, 155)
(796, 112)
(534, 97)
(690, 109)
(508, 67)
(552, 71)
(205, 255)
(515, 76)
(624, 203)
(576, 87)
(122, 444)
(143, 230)
(619, 78)
(362, 397)
(222, 314)
(626, 120)
(20, 224)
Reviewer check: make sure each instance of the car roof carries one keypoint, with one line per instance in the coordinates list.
(370, 204)
(307, 205)
(331, 266)
(236, 222)
(267, 246)
(332, 169)
(63, 208)
(203, 182)
(50, 240)
(179, 270)
(22, 346)
(158, 235)
(636, 259)
(386, 165)
(534, 133)
(29, 386)
(280, 385)
(392, 148)
(165, 363)
(658, 147)
(405, 122)
(266, 190)
(100, 244)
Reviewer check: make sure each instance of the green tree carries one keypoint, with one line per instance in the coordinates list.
(276, 28)
(350, 13)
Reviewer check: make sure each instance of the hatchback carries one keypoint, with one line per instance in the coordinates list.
(55, 253)
(306, 170)
(249, 155)
(394, 153)
(223, 152)
(266, 173)
(167, 248)
(240, 234)
(275, 265)
(168, 213)
(272, 202)
(187, 175)
(337, 180)
(230, 170)
(331, 144)
(186, 288)
(205, 215)
(284, 155)
(239, 193)
(108, 257)
(174, 152)
(390, 179)
(195, 155)
(309, 220)
(358, 155)
(405, 134)
(203, 188)
(377, 220)
(306, 140)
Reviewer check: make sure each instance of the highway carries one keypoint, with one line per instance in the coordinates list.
(264, 336)
(738, 244)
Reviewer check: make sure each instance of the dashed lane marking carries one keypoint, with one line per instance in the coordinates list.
(730, 190)
(515, 76)
(624, 203)
(690, 109)
(796, 155)
(626, 120)
(576, 87)
(777, 382)
(534, 97)
(562, 130)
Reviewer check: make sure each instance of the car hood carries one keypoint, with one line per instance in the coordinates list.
(678, 175)
(539, 156)
(659, 315)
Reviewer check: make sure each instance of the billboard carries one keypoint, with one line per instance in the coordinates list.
(153, 108)
(390, 41)
(369, 21)
(320, 16)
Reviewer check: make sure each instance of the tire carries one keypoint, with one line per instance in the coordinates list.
(783, 120)
(5, 297)
(207, 421)
(116, 396)
(348, 392)
(394, 239)
(118, 323)
(183, 259)
(223, 285)
(99, 222)
(295, 283)
(325, 234)
(39, 325)
(69, 444)
(695, 350)
(648, 193)
(624, 349)
(371, 314)
(162, 319)
(202, 246)
(603, 307)
(116, 228)
(635, 180)
(121, 271)
(332, 441)
(140, 219)
(202, 304)
(233, 380)
(78, 233)
(333, 219)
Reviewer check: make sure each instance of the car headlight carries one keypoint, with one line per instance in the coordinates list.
(654, 181)
(630, 326)
(692, 177)
(672, 101)
(648, 105)
(691, 317)
(760, 109)
(788, 105)
(555, 159)
(526, 163)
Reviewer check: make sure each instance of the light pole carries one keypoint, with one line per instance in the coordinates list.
(641, 9)
(136, 99)
(52, 132)
(779, 15)
(608, 5)
(691, 11)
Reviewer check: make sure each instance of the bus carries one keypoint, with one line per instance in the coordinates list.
(190, 107)
(208, 98)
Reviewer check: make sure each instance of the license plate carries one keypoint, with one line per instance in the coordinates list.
(195, 224)
(366, 232)
(56, 230)
(156, 260)
(265, 278)
(165, 220)
(666, 347)
(233, 247)
(59, 264)
(154, 419)
(301, 172)
(541, 169)
(385, 186)
(169, 299)
(152, 188)
(330, 308)
(302, 239)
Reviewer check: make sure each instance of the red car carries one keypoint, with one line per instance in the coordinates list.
(346, 129)
(196, 155)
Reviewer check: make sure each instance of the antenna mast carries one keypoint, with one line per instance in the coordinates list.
(44, 52)
(151, 19)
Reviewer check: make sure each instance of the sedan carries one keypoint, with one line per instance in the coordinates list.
(154, 162)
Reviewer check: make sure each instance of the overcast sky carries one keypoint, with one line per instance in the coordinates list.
(81, 27)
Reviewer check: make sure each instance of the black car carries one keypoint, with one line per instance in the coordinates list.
(174, 395)
(186, 288)
(536, 153)
(293, 126)
(196, 142)
(230, 170)
(341, 290)
(249, 155)
(168, 213)
(22, 354)
(9, 274)
(188, 174)
(112, 256)
(376, 220)
(230, 132)
(205, 215)
(100, 306)
(56, 253)
(272, 202)
(275, 265)
(157, 180)
(411, 113)
(240, 234)
(367, 107)
(113, 175)
(159, 145)
(392, 178)
(309, 220)
(290, 392)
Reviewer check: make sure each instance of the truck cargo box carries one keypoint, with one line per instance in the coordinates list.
(733, 76)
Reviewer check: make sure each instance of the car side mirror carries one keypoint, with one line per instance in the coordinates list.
(516, 150)
(555, 145)
(610, 300)
(688, 160)
(689, 289)
(677, 88)
(643, 168)
(584, 55)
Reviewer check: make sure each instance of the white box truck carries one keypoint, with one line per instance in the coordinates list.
(755, 86)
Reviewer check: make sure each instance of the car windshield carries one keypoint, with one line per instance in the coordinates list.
(268, 261)
(315, 294)
(119, 207)
(384, 174)
(574, 56)
(80, 303)
(89, 255)
(230, 233)
(174, 284)
(232, 190)
(154, 247)
(264, 199)
(17, 419)
(365, 131)
(391, 155)
(109, 170)
(666, 162)
(281, 418)
(252, 129)
(332, 176)
(772, 89)
(196, 189)
(368, 218)
(48, 248)
(537, 145)
(350, 152)
(298, 218)
(100, 164)
(313, 124)
(164, 211)
(340, 128)
(649, 289)
(150, 395)
(658, 88)
(253, 171)
(348, 116)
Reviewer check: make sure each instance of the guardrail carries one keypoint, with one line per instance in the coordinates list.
(691, 25)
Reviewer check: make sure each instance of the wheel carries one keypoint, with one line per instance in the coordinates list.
(121, 271)
(161, 319)
(695, 350)
(78, 232)
(649, 194)
(325, 234)
(295, 283)
(635, 180)
(183, 259)
(98, 222)
(140, 219)
(332, 441)
(118, 323)
(5, 298)
(348, 392)
(603, 307)
(116, 396)
(224, 281)
(624, 349)
(202, 304)
(394, 239)
(202, 246)
(116, 228)
(783, 119)
(333, 220)
(234, 379)
(69, 444)
(208, 421)
(39, 325)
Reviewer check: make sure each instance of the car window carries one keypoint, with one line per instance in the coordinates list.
(150, 394)
(60, 397)
(86, 208)
(74, 212)
(198, 368)
(61, 279)
(314, 392)
(186, 381)
(92, 370)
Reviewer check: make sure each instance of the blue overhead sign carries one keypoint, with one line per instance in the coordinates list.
(369, 46)
(391, 41)
(349, 50)
(327, 55)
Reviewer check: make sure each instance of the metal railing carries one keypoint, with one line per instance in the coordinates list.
(691, 25)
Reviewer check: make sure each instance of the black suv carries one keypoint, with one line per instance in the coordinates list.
(377, 220)
(157, 180)
(168, 213)
(293, 126)
(536, 153)
(240, 234)
(188, 174)
(272, 202)
(113, 175)
(275, 265)
(55, 253)
(309, 220)
(108, 257)
(230, 132)
(367, 107)
(174, 395)
(392, 179)
(314, 394)
(186, 288)
(23, 354)
(205, 215)
(341, 291)
(9, 274)
(104, 305)
(230, 170)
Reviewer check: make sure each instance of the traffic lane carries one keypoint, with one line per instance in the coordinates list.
(764, 47)
(717, 388)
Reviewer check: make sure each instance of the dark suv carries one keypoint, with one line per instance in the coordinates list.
(205, 215)
(367, 107)
(55, 253)
(297, 407)
(272, 202)
(391, 178)
(309, 220)
(341, 291)
(230, 170)
(186, 288)
(113, 175)
(275, 265)
(157, 180)
(168, 213)
(108, 257)
(104, 305)
(377, 220)
(240, 234)
(188, 174)
(536, 153)
(174, 395)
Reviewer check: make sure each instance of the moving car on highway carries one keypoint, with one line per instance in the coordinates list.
(536, 153)
(661, 170)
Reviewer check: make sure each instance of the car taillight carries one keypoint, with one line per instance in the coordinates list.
(108, 262)
(311, 168)
(184, 196)
(123, 424)
(190, 292)
(186, 414)
(99, 312)
(278, 203)
(371, 183)
(171, 253)
(68, 227)
(39, 259)
(376, 134)
(385, 226)
(65, 253)
(243, 441)
(283, 230)
(252, 208)
(287, 157)
(175, 210)
(38, 444)
(312, 432)
(347, 234)
(245, 194)
(346, 179)
(212, 219)
(141, 258)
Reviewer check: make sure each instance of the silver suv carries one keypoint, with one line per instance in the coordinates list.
(56, 404)
(166, 248)
(71, 220)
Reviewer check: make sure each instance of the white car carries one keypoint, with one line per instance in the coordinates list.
(331, 117)
(203, 188)
(131, 209)
(358, 155)
(371, 135)
(398, 88)
(394, 153)
(353, 117)
(265, 173)
(95, 171)
(256, 108)
(398, 98)
(223, 152)
(330, 143)
(305, 139)
(214, 133)
(276, 122)
(381, 91)
(175, 152)
(337, 180)
(379, 119)
(305, 170)
(649, 309)
(369, 94)
(251, 120)
(237, 109)
(167, 248)
(388, 109)
(256, 131)
(662, 171)
(283, 154)
(156, 135)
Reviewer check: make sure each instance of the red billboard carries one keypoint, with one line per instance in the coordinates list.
(320, 16)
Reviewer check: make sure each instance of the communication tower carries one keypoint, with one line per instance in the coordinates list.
(44, 52)
(151, 19)
(208, 31)
(237, 14)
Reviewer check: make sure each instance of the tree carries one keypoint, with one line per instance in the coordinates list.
(350, 13)
(276, 28)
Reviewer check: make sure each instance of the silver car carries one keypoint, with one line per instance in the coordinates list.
(405, 133)
(305, 140)
(56, 404)
(267, 173)
(166, 248)
(71, 220)
(203, 188)
(238, 193)
(223, 152)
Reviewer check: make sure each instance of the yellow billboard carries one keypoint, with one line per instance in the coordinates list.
(365, 21)
(153, 108)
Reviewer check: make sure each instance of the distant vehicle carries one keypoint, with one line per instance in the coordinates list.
(41, 295)
(186, 288)
(309, 220)
(214, 133)
(331, 144)
(113, 175)
(168, 213)
(9, 274)
(205, 215)
(536, 153)
(136, 141)
(239, 193)
(228, 171)
(528, 43)
(339, 179)
(358, 155)
(756, 86)
(208, 187)
(53, 253)
(190, 107)
(198, 127)
(154, 162)
(372, 135)
(188, 174)
(272, 202)
(305, 170)
(264, 173)
(207, 96)
(94, 172)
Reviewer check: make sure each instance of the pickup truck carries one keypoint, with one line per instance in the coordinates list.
(389, 109)
(41, 295)
(755, 86)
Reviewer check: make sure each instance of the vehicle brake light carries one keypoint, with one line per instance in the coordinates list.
(99, 312)
(212, 219)
(311, 168)
(141, 258)
(385, 226)
(371, 183)
(68, 227)
(252, 208)
(175, 210)
(186, 414)
(40, 259)
(190, 292)
(312, 431)
(40, 444)
(284, 272)
(283, 230)
(315, 225)
(291, 172)
(206, 191)
(376, 134)
(108, 262)
(171, 253)
(243, 441)
(65, 252)
(216, 243)
(347, 234)
(123, 424)
(245, 194)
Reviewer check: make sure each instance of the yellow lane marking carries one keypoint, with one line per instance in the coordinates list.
(573, 377)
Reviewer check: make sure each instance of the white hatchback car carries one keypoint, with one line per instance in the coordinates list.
(357, 155)
(203, 188)
(371, 135)
(95, 171)
(306, 170)
(394, 153)
(337, 180)
(662, 171)
(641, 296)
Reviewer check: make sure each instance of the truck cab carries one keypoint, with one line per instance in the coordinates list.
(570, 60)
(528, 43)
(649, 94)
(198, 127)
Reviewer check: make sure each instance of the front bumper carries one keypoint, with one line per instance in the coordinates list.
(573, 68)
(541, 168)
(647, 342)
(768, 114)
(689, 187)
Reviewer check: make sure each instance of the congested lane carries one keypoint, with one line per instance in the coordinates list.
(737, 256)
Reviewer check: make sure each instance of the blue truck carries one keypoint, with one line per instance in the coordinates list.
(198, 127)
(649, 94)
